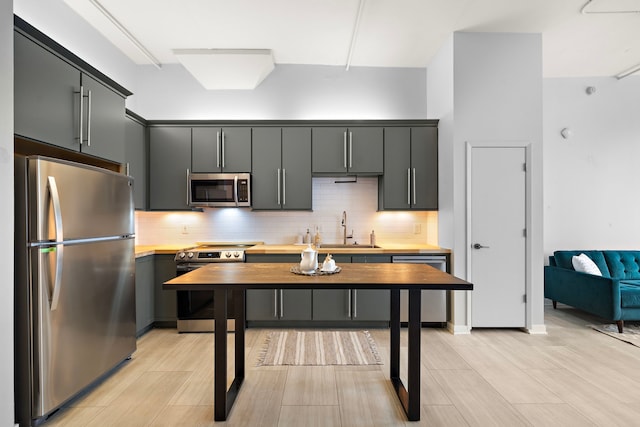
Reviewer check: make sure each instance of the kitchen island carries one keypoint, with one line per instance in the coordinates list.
(237, 278)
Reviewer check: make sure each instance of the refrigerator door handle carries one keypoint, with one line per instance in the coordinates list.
(57, 217)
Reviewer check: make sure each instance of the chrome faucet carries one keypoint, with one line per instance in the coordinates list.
(344, 229)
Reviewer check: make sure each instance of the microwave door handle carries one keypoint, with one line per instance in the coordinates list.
(235, 188)
(57, 218)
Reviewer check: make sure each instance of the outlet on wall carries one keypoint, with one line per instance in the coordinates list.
(185, 229)
(417, 228)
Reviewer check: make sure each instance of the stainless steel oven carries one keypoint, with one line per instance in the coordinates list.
(195, 308)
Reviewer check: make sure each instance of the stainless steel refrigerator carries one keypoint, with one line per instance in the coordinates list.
(74, 281)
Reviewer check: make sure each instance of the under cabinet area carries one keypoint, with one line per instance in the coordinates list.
(57, 103)
(281, 172)
(357, 150)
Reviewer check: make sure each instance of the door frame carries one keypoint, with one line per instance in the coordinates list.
(470, 145)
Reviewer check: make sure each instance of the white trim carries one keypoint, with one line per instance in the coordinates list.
(536, 330)
(458, 329)
(528, 222)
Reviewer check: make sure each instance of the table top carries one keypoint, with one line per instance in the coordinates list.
(351, 276)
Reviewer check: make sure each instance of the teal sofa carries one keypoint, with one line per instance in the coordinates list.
(614, 296)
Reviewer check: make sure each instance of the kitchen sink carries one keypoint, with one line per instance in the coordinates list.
(346, 246)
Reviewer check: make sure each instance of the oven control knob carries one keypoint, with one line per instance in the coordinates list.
(181, 255)
(236, 254)
(190, 255)
(228, 254)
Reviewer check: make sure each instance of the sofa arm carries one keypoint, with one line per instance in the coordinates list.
(594, 294)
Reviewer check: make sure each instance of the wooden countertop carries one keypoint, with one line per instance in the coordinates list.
(385, 248)
(352, 276)
(262, 249)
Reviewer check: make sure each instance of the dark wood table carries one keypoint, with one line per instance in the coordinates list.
(238, 277)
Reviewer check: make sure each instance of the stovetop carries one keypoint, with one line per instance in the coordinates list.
(207, 252)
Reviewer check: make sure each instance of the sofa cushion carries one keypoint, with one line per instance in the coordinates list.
(629, 295)
(623, 264)
(583, 264)
(563, 260)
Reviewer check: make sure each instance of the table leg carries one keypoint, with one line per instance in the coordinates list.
(413, 367)
(239, 298)
(220, 355)
(394, 341)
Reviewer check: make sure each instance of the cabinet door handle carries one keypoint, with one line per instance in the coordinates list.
(275, 303)
(355, 303)
(350, 149)
(88, 118)
(217, 149)
(284, 186)
(129, 174)
(348, 303)
(414, 186)
(409, 187)
(281, 303)
(344, 143)
(278, 186)
(188, 188)
(223, 149)
(80, 105)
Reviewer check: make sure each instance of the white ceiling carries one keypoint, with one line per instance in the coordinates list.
(390, 33)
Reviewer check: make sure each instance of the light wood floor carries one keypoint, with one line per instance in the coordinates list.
(573, 376)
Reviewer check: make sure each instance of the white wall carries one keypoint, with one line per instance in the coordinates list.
(497, 96)
(6, 213)
(592, 199)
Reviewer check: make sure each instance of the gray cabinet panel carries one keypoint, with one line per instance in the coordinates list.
(410, 179)
(169, 159)
(371, 304)
(136, 159)
(296, 163)
(45, 105)
(221, 149)
(424, 159)
(165, 303)
(145, 300)
(104, 121)
(353, 150)
(205, 155)
(267, 169)
(262, 304)
(332, 304)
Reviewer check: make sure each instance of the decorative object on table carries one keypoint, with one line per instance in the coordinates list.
(319, 348)
(318, 272)
(329, 264)
(630, 335)
(308, 260)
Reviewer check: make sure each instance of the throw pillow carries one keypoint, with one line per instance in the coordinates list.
(584, 264)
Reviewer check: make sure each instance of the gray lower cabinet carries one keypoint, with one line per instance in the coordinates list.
(136, 160)
(277, 304)
(169, 162)
(281, 170)
(226, 149)
(145, 315)
(357, 151)
(353, 304)
(165, 303)
(48, 104)
(410, 179)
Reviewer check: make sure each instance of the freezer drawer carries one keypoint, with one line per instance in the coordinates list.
(434, 303)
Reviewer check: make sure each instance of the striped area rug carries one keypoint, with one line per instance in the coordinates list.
(319, 348)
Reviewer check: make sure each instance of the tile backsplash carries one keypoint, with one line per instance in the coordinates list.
(330, 199)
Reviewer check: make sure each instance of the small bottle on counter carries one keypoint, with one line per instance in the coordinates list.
(307, 237)
(372, 238)
(317, 239)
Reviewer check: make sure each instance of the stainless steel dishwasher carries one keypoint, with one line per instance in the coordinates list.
(434, 302)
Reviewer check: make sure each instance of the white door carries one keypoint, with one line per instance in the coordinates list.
(498, 236)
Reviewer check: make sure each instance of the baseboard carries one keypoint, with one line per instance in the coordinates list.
(536, 330)
(458, 329)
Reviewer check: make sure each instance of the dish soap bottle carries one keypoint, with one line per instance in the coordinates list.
(372, 238)
(307, 237)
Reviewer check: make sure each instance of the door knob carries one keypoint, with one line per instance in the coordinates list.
(478, 246)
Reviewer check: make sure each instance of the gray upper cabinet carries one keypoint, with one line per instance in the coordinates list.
(49, 106)
(169, 161)
(136, 160)
(221, 149)
(410, 178)
(281, 171)
(354, 151)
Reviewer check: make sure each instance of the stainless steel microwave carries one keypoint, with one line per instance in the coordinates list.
(219, 189)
